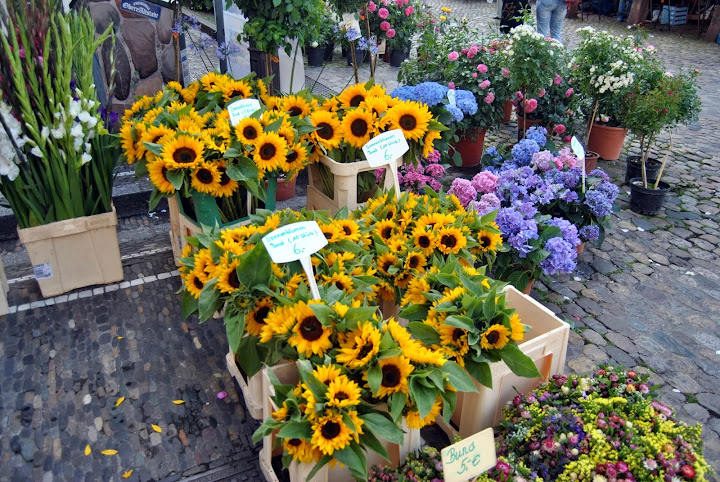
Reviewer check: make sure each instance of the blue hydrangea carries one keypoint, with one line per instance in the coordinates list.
(524, 150)
(569, 179)
(430, 93)
(521, 240)
(456, 113)
(466, 102)
(590, 233)
(601, 200)
(569, 230)
(404, 92)
(537, 134)
(561, 258)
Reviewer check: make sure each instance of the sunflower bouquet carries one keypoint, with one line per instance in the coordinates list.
(458, 311)
(407, 235)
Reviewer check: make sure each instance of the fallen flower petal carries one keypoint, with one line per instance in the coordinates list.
(222, 395)
(88, 450)
(178, 402)
(109, 452)
(127, 474)
(119, 401)
(156, 428)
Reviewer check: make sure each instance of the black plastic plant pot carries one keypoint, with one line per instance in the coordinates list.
(315, 56)
(359, 56)
(647, 201)
(396, 58)
(633, 168)
(329, 51)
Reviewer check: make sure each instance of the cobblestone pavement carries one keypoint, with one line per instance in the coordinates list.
(649, 298)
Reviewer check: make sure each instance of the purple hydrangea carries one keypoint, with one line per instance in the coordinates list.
(561, 258)
(524, 150)
(569, 179)
(463, 189)
(431, 93)
(590, 233)
(485, 182)
(537, 134)
(600, 200)
(517, 230)
(569, 230)
(543, 161)
(600, 173)
(487, 203)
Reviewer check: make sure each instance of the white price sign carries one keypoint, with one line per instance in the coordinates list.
(295, 242)
(579, 151)
(469, 457)
(350, 22)
(385, 149)
(241, 109)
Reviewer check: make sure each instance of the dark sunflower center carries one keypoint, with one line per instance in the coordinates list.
(156, 138)
(295, 442)
(493, 337)
(413, 262)
(224, 179)
(424, 241)
(294, 111)
(342, 396)
(390, 215)
(340, 285)
(326, 131)
(311, 329)
(261, 314)
(249, 132)
(391, 376)
(328, 235)
(357, 100)
(448, 240)
(184, 155)
(359, 127)
(164, 173)
(407, 122)
(236, 93)
(330, 430)
(198, 284)
(292, 157)
(267, 151)
(386, 265)
(347, 230)
(204, 176)
(365, 350)
(386, 232)
(457, 334)
(484, 242)
(233, 280)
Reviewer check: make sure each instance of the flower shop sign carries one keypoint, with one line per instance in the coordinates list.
(241, 109)
(295, 242)
(142, 8)
(470, 457)
(385, 149)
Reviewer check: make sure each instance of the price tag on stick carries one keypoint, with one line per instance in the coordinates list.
(295, 242)
(241, 109)
(579, 151)
(470, 457)
(385, 149)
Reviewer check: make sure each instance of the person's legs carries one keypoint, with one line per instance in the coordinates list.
(543, 12)
(557, 17)
(621, 14)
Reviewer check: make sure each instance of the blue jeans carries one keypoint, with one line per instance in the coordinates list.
(624, 9)
(550, 15)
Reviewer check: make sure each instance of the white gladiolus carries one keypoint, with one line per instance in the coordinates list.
(35, 151)
(59, 132)
(77, 143)
(84, 117)
(77, 131)
(45, 133)
(86, 158)
(75, 108)
(92, 122)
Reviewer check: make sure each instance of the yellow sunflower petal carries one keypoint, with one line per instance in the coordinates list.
(109, 452)
(88, 450)
(119, 401)
(126, 475)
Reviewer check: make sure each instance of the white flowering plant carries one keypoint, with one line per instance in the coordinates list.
(56, 155)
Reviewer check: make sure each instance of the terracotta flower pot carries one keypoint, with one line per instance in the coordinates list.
(607, 141)
(591, 159)
(529, 286)
(470, 146)
(524, 123)
(285, 189)
(580, 247)
(507, 110)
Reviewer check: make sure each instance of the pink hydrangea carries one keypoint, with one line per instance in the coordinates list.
(409, 11)
(384, 26)
(390, 33)
(569, 92)
(383, 13)
(530, 105)
(566, 159)
(372, 6)
(485, 182)
(453, 56)
(484, 84)
(435, 170)
(559, 129)
(482, 68)
(487, 203)
(463, 190)
(543, 161)
(505, 72)
(489, 99)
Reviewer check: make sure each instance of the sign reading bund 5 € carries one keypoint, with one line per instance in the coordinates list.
(470, 457)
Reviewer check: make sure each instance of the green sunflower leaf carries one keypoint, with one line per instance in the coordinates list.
(414, 312)
(489, 305)
(301, 429)
(425, 333)
(348, 457)
(323, 313)
(189, 304)
(424, 397)
(458, 377)
(321, 463)
(176, 177)
(383, 427)
(209, 301)
(397, 403)
(369, 440)
(480, 371)
(374, 376)
(363, 313)
(462, 322)
(520, 364)
(156, 149)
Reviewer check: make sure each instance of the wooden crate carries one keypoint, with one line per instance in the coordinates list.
(545, 343)
(251, 388)
(4, 306)
(345, 184)
(287, 374)
(74, 253)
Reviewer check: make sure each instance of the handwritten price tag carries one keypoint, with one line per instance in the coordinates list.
(295, 242)
(385, 148)
(469, 457)
(349, 22)
(241, 109)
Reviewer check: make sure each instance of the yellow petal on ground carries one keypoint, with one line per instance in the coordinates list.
(119, 401)
(120, 338)
(127, 474)
(88, 450)
(109, 452)
(178, 402)
(156, 428)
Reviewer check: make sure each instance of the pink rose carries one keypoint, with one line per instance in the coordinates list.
(505, 72)
(453, 56)
(559, 129)
(409, 11)
(474, 74)
(541, 92)
(484, 84)
(567, 139)
(372, 7)
(383, 13)
(530, 105)
(451, 85)
(482, 68)
(384, 26)
(390, 33)
(489, 98)
(569, 92)
(518, 95)
(557, 80)
(464, 51)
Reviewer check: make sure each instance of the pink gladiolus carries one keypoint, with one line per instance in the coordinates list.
(451, 85)
(482, 68)
(559, 129)
(484, 84)
(390, 33)
(372, 7)
(384, 26)
(569, 92)
(453, 56)
(383, 13)
(489, 98)
(409, 11)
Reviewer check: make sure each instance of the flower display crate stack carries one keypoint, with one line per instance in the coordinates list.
(252, 388)
(546, 345)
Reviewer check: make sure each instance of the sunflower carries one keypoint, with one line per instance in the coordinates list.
(415, 292)
(155, 135)
(489, 240)
(342, 281)
(358, 127)
(206, 178)
(204, 265)
(326, 373)
(296, 158)
(158, 176)
(280, 321)
(193, 284)
(138, 107)
(236, 88)
(359, 346)
(416, 261)
(495, 337)
(281, 413)
(331, 104)
(228, 281)
(331, 434)
(457, 338)
(403, 278)
(301, 450)
(395, 371)
(309, 335)
(296, 105)
(329, 131)
(226, 186)
(435, 220)
(212, 79)
(450, 240)
(517, 329)
(183, 152)
(428, 143)
(353, 96)
(385, 229)
(190, 92)
(332, 232)
(270, 151)
(412, 117)
(413, 416)
(376, 105)
(262, 88)
(424, 240)
(293, 284)
(350, 229)
(385, 261)
(343, 392)
(127, 142)
(378, 90)
(255, 318)
(248, 130)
